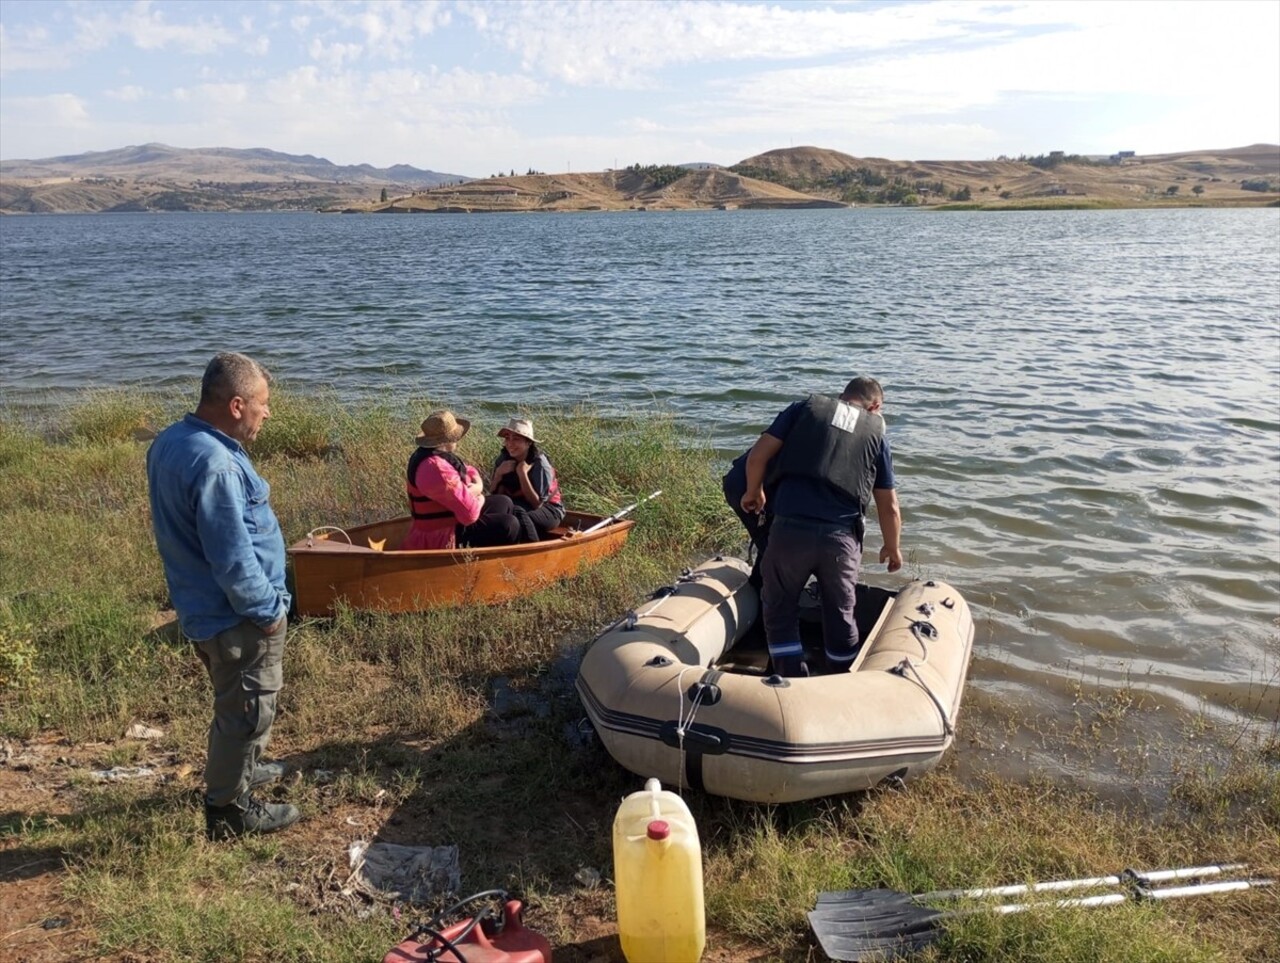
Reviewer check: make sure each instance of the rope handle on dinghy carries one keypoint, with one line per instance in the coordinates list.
(311, 541)
(685, 720)
(661, 594)
(905, 666)
(923, 629)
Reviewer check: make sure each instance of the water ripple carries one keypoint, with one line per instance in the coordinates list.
(1084, 407)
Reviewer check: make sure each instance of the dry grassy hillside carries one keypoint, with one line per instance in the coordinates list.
(1211, 176)
(155, 177)
(637, 190)
(159, 178)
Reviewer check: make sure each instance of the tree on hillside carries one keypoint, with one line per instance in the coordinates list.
(1197, 190)
(383, 197)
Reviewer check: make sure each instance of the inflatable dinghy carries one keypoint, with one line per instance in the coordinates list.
(676, 692)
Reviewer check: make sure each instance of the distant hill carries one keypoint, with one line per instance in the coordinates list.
(154, 177)
(1236, 176)
(657, 188)
(159, 177)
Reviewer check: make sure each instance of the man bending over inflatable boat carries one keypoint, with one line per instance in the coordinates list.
(825, 459)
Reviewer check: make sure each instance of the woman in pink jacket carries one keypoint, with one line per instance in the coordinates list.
(446, 495)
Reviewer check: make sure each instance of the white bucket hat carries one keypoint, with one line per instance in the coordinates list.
(518, 426)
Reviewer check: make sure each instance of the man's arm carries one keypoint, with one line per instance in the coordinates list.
(889, 515)
(758, 459)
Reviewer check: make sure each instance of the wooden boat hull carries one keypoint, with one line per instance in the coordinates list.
(357, 566)
(670, 698)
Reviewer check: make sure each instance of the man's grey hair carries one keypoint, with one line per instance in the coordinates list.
(863, 389)
(230, 375)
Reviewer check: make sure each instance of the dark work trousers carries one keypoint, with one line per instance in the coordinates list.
(535, 523)
(497, 525)
(799, 548)
(246, 667)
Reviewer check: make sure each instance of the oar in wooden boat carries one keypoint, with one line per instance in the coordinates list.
(880, 924)
(618, 516)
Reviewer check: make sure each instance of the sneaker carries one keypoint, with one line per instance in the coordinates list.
(253, 817)
(267, 772)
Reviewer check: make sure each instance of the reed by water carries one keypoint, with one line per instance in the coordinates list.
(400, 715)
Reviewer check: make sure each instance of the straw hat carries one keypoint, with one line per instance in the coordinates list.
(518, 426)
(440, 428)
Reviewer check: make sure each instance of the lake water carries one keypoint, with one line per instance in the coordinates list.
(1084, 406)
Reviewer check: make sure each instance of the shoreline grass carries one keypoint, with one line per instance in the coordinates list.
(453, 727)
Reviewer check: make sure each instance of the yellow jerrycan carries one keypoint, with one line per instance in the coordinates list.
(657, 870)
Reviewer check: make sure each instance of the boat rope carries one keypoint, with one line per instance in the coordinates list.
(905, 666)
(923, 629)
(311, 542)
(662, 594)
(684, 720)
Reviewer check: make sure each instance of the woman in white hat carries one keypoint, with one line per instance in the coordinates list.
(524, 474)
(446, 495)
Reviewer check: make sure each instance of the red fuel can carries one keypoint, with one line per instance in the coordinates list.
(486, 941)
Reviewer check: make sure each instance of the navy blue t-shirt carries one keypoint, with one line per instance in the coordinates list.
(800, 497)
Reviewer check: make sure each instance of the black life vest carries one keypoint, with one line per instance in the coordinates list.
(420, 505)
(834, 442)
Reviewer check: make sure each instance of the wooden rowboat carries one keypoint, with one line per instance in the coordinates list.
(355, 565)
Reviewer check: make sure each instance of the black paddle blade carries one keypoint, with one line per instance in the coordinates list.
(872, 924)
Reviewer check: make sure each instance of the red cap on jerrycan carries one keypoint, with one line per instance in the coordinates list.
(658, 873)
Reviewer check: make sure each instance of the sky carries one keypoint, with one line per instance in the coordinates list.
(476, 87)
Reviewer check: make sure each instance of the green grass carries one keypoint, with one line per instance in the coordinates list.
(401, 712)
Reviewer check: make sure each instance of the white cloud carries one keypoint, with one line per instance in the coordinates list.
(922, 99)
(333, 55)
(128, 93)
(49, 111)
(30, 48)
(388, 28)
(147, 29)
(222, 95)
(621, 42)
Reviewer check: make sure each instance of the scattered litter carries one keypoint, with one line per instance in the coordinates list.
(414, 874)
(352, 821)
(322, 775)
(123, 772)
(139, 731)
(56, 922)
(588, 877)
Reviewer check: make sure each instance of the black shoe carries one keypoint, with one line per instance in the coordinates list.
(267, 772)
(247, 817)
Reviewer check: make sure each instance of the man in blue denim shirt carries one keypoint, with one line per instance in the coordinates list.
(223, 556)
